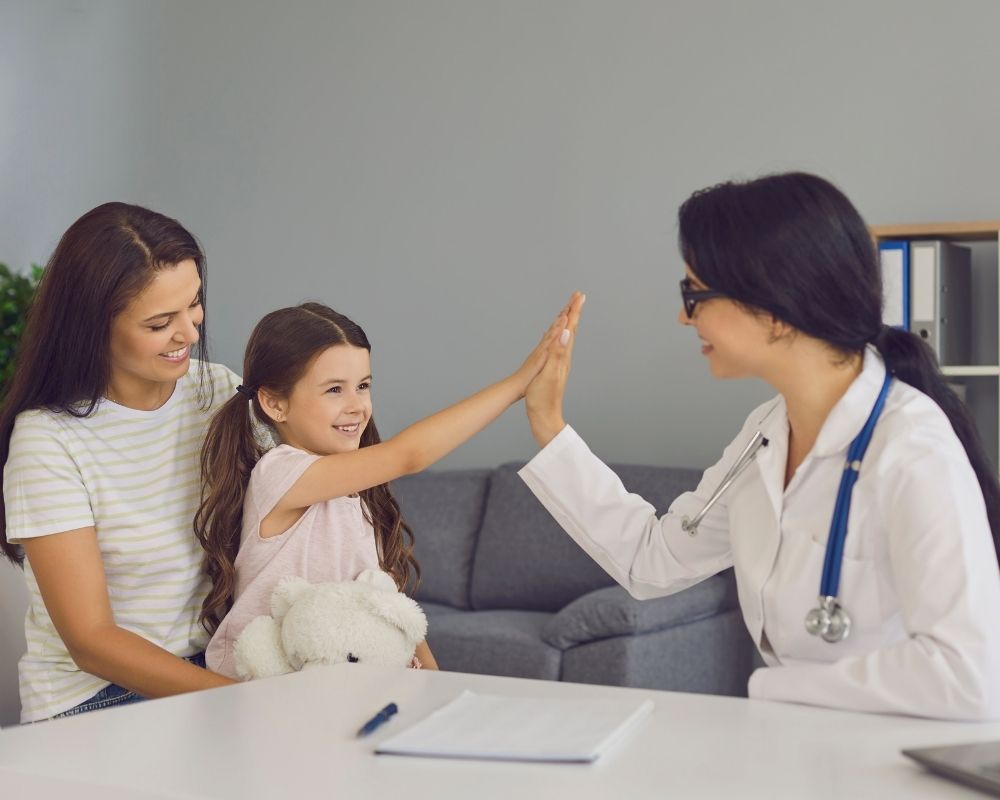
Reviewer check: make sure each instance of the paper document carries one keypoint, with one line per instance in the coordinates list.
(519, 728)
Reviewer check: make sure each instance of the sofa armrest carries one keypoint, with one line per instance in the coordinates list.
(611, 611)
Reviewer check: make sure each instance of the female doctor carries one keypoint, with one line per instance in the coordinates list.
(864, 447)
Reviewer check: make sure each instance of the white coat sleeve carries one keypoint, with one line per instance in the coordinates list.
(649, 557)
(944, 569)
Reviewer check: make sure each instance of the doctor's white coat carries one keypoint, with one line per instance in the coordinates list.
(919, 577)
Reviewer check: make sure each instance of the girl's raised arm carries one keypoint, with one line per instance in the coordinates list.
(421, 444)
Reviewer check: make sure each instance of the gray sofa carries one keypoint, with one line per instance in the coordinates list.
(507, 592)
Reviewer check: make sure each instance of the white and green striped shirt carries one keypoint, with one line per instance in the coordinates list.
(134, 476)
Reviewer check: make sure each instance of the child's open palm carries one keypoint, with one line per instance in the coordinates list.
(544, 396)
(536, 359)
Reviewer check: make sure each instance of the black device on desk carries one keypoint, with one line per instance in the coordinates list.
(976, 764)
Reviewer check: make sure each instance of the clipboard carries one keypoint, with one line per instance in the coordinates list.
(494, 727)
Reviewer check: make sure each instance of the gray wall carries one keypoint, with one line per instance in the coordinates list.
(446, 172)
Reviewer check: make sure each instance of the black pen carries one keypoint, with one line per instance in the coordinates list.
(378, 719)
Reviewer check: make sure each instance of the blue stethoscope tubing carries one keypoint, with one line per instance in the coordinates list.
(829, 620)
(830, 583)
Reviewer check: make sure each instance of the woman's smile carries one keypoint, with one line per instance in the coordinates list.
(177, 356)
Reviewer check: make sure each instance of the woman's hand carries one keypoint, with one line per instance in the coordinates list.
(543, 399)
(536, 359)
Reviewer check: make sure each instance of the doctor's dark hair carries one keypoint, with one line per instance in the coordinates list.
(280, 350)
(793, 246)
(63, 362)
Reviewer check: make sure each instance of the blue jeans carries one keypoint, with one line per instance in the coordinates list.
(115, 695)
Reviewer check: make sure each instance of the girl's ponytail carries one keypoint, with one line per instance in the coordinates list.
(230, 452)
(912, 360)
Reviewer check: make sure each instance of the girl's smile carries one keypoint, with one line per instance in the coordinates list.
(329, 407)
(350, 431)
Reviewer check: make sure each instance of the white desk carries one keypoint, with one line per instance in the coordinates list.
(293, 737)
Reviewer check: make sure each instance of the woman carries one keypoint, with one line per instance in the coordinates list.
(783, 284)
(100, 436)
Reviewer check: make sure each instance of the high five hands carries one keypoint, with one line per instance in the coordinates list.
(543, 399)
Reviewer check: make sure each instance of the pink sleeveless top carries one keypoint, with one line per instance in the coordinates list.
(332, 541)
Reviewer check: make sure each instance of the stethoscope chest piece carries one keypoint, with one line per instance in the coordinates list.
(829, 621)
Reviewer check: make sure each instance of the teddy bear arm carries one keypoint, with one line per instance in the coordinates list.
(258, 651)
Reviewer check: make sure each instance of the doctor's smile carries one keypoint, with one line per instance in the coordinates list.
(861, 483)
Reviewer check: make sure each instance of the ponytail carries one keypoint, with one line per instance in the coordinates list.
(393, 536)
(230, 452)
(794, 246)
(912, 360)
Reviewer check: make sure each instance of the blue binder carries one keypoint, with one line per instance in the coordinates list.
(895, 260)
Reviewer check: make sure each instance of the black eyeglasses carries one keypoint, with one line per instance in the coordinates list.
(692, 297)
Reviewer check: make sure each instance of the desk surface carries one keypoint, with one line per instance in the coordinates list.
(294, 737)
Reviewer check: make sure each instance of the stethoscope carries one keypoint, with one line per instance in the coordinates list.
(829, 620)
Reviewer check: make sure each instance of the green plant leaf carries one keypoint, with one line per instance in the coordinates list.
(17, 290)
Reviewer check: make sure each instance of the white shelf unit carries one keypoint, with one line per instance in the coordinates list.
(981, 378)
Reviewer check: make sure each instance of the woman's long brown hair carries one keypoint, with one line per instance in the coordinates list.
(63, 363)
(279, 352)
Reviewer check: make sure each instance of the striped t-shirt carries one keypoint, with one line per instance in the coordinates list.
(134, 476)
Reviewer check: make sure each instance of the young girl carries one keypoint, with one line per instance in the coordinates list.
(100, 435)
(318, 505)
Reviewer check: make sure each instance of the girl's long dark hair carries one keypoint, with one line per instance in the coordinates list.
(794, 246)
(280, 350)
(63, 362)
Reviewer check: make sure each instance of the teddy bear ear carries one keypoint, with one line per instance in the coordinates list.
(402, 612)
(378, 579)
(287, 592)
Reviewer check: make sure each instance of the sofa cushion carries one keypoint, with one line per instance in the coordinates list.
(525, 560)
(444, 509)
(434, 610)
(493, 643)
(614, 612)
(715, 655)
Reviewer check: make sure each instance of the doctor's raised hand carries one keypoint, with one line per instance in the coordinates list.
(543, 400)
(857, 508)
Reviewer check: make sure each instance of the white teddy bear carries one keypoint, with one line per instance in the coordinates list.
(365, 620)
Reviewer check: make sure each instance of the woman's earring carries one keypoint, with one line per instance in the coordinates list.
(777, 332)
